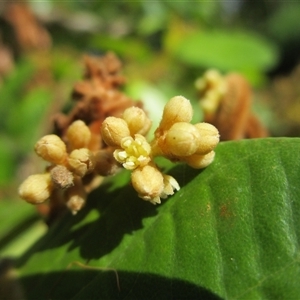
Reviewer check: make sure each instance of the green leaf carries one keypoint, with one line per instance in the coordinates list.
(232, 231)
(283, 24)
(228, 51)
(20, 227)
(7, 159)
(20, 121)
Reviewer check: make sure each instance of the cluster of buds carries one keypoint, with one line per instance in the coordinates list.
(77, 154)
(212, 87)
(70, 164)
(175, 138)
(226, 103)
(73, 161)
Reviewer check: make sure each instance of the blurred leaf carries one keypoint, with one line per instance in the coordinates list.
(284, 23)
(13, 88)
(232, 231)
(227, 51)
(129, 48)
(7, 159)
(20, 227)
(65, 66)
(26, 114)
(208, 11)
(154, 19)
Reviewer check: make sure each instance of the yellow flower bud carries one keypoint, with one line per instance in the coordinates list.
(78, 134)
(75, 197)
(210, 102)
(199, 161)
(148, 182)
(51, 148)
(137, 120)
(113, 130)
(212, 88)
(209, 137)
(182, 139)
(36, 188)
(81, 161)
(178, 109)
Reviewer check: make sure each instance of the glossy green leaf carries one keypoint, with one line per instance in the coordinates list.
(231, 232)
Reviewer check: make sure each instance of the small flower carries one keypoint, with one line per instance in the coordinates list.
(137, 120)
(209, 137)
(36, 188)
(212, 88)
(148, 181)
(182, 139)
(78, 135)
(51, 148)
(170, 184)
(113, 130)
(197, 161)
(135, 153)
(81, 161)
(75, 196)
(152, 185)
(178, 109)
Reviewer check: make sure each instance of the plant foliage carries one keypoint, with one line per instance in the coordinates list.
(230, 232)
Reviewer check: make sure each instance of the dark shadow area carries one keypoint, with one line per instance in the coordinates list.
(101, 284)
(120, 212)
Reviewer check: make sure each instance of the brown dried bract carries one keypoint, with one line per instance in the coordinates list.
(97, 97)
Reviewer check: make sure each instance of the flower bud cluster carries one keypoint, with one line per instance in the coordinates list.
(175, 139)
(73, 161)
(226, 103)
(69, 162)
(212, 87)
(179, 140)
(133, 151)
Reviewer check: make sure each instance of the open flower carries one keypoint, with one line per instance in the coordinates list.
(135, 152)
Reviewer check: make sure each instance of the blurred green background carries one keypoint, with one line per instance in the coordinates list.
(164, 45)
